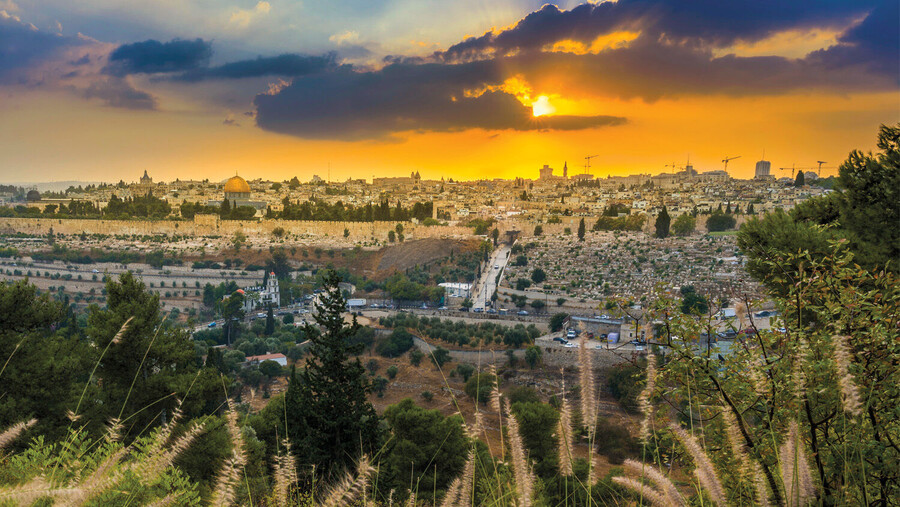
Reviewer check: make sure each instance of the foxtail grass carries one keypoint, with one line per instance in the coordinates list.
(351, 486)
(849, 388)
(14, 431)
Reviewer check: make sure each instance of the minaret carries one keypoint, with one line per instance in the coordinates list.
(565, 170)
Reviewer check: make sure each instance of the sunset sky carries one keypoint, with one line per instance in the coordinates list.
(100, 90)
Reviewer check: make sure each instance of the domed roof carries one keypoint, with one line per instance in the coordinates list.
(237, 185)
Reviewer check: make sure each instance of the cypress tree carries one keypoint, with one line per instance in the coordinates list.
(581, 230)
(331, 422)
(662, 223)
(270, 322)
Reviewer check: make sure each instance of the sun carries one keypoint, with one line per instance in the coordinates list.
(542, 106)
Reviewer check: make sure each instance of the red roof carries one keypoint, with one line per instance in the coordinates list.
(265, 357)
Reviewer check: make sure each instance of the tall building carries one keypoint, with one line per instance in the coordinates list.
(763, 168)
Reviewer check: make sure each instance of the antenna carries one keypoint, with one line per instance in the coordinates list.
(728, 159)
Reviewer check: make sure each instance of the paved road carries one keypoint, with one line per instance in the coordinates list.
(488, 282)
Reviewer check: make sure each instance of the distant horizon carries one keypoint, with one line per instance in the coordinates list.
(826, 172)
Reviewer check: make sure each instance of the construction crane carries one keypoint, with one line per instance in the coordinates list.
(782, 169)
(819, 169)
(672, 165)
(728, 159)
(587, 163)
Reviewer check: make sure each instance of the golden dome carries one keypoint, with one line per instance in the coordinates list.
(237, 185)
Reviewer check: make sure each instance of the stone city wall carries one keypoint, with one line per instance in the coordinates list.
(211, 225)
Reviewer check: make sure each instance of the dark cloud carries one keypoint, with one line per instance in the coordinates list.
(84, 60)
(118, 92)
(700, 22)
(22, 46)
(349, 104)
(285, 65)
(152, 56)
(874, 44)
(678, 52)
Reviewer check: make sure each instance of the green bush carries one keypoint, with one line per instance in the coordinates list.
(615, 442)
(392, 371)
(479, 387)
(625, 383)
(415, 357)
(396, 344)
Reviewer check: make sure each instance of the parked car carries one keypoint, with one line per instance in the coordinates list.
(211, 324)
(478, 310)
(522, 313)
(560, 340)
(570, 345)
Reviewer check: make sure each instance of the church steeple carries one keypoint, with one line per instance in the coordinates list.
(565, 169)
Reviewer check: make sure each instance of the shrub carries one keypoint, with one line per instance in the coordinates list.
(465, 371)
(396, 344)
(427, 396)
(625, 384)
(479, 387)
(270, 368)
(415, 357)
(440, 356)
(379, 385)
(522, 394)
(556, 321)
(392, 371)
(617, 443)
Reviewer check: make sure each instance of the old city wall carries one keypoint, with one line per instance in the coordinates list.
(206, 225)
(211, 225)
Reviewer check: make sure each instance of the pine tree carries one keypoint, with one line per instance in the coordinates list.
(581, 230)
(800, 180)
(330, 420)
(662, 223)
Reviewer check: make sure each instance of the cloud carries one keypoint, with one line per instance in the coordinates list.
(242, 17)
(345, 37)
(673, 48)
(152, 56)
(23, 46)
(118, 92)
(709, 23)
(349, 104)
(230, 121)
(285, 65)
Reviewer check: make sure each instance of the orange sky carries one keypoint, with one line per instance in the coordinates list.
(639, 84)
(87, 142)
